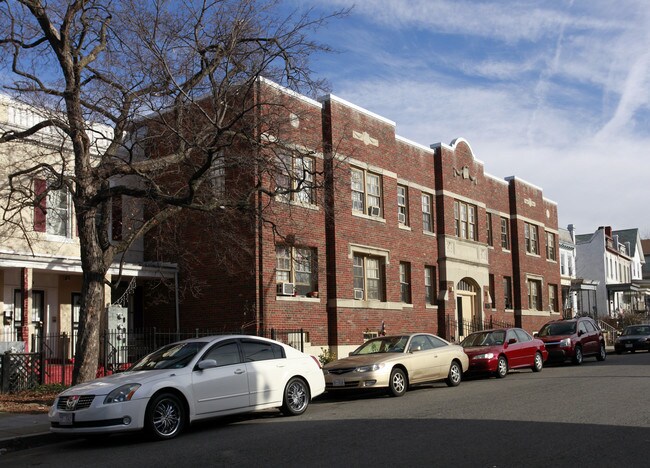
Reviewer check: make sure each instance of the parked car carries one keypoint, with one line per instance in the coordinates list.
(191, 380)
(496, 351)
(396, 362)
(633, 338)
(573, 339)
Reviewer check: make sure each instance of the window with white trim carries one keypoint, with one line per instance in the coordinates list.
(430, 284)
(465, 220)
(402, 205)
(553, 298)
(534, 294)
(368, 275)
(531, 237)
(488, 222)
(53, 212)
(366, 192)
(297, 265)
(295, 179)
(505, 234)
(405, 281)
(550, 246)
(507, 292)
(427, 212)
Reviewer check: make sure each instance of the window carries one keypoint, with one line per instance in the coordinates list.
(402, 205)
(18, 313)
(563, 263)
(368, 278)
(405, 281)
(505, 234)
(530, 235)
(430, 284)
(507, 292)
(261, 351)
(427, 215)
(534, 294)
(553, 298)
(52, 214)
(550, 246)
(366, 192)
(488, 221)
(295, 179)
(225, 354)
(297, 265)
(465, 218)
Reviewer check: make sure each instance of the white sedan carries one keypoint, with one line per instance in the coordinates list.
(191, 380)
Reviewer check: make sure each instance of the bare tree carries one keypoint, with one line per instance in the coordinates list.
(147, 101)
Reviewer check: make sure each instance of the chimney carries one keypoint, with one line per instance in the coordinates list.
(572, 232)
(608, 231)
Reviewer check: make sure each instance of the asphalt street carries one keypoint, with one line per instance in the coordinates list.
(596, 414)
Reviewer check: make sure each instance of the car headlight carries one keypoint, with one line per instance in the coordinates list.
(123, 393)
(484, 356)
(370, 368)
(565, 342)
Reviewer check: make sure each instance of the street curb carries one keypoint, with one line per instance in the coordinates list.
(13, 444)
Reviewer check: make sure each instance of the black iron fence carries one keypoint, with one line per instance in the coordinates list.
(53, 358)
(457, 331)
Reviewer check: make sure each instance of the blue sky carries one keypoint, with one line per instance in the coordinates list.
(554, 92)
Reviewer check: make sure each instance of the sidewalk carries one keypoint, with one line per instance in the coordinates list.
(23, 430)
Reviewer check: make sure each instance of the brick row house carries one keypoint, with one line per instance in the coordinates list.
(378, 234)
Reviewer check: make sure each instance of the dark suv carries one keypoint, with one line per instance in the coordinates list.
(573, 339)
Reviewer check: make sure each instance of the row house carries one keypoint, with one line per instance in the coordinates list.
(615, 260)
(40, 268)
(379, 235)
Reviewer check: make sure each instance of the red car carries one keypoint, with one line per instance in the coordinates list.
(497, 351)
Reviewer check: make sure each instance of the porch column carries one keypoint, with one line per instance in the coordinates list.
(26, 288)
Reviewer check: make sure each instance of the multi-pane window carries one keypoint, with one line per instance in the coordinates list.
(366, 192)
(507, 292)
(402, 205)
(530, 235)
(427, 215)
(465, 220)
(552, 297)
(534, 294)
(491, 286)
(368, 278)
(295, 179)
(53, 211)
(488, 221)
(430, 284)
(505, 234)
(296, 265)
(550, 246)
(405, 281)
(218, 176)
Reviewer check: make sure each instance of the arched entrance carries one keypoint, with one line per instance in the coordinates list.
(468, 307)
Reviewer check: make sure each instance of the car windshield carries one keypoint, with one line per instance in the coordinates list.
(558, 328)
(173, 356)
(386, 344)
(489, 338)
(637, 330)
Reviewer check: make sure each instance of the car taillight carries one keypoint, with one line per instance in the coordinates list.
(316, 360)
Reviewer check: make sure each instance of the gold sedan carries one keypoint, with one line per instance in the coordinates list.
(397, 362)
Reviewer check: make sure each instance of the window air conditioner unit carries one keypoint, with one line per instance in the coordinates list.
(285, 289)
(373, 210)
(358, 294)
(401, 217)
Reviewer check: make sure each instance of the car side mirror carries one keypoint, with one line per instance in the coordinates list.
(512, 340)
(580, 333)
(207, 364)
(416, 348)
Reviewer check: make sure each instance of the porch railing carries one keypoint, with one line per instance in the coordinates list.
(456, 331)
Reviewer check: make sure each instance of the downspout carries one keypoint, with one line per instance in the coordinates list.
(259, 310)
(178, 318)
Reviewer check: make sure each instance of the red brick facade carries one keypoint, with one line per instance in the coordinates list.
(368, 265)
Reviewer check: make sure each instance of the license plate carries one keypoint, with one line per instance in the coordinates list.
(338, 382)
(628, 345)
(66, 419)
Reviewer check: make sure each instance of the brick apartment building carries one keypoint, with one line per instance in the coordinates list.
(391, 234)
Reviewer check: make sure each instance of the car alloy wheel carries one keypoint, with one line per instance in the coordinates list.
(577, 356)
(165, 416)
(455, 375)
(398, 383)
(296, 397)
(502, 367)
(539, 362)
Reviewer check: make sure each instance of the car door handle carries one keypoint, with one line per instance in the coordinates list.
(239, 371)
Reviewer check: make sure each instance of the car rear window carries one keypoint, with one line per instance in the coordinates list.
(558, 328)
